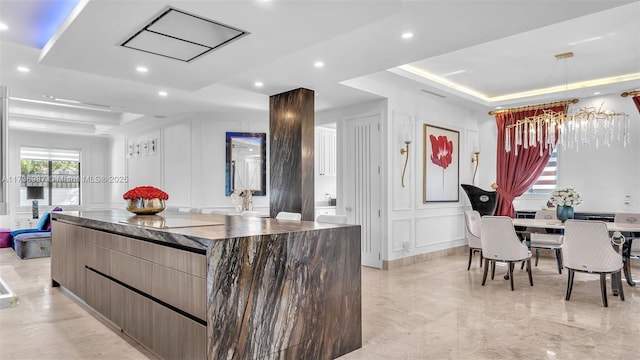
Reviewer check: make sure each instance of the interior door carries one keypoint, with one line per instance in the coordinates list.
(363, 185)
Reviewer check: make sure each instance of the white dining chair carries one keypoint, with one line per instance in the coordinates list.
(500, 243)
(473, 225)
(631, 247)
(331, 219)
(283, 215)
(587, 248)
(539, 239)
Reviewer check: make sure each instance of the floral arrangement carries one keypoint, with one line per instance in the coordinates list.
(566, 197)
(145, 192)
(242, 199)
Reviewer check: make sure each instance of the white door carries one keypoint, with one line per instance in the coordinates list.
(363, 185)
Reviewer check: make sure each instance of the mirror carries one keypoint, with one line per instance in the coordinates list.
(247, 162)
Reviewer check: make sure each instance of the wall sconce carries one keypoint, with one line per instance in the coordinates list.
(475, 159)
(405, 151)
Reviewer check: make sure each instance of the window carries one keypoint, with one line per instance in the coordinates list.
(51, 176)
(547, 181)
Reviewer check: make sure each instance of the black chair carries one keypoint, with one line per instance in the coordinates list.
(482, 201)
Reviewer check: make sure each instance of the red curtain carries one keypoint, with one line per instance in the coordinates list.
(515, 174)
(636, 100)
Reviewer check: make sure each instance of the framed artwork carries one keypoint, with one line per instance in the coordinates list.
(440, 164)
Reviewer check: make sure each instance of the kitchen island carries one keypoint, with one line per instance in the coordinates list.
(196, 286)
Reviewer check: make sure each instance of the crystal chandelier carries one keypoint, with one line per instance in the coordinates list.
(586, 127)
(574, 129)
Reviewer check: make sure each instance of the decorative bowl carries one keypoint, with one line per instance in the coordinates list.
(141, 206)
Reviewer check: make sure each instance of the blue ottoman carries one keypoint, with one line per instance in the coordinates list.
(32, 245)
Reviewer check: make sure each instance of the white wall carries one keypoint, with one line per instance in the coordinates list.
(190, 160)
(94, 163)
(410, 226)
(602, 176)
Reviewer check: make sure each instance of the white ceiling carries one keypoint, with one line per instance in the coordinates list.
(502, 46)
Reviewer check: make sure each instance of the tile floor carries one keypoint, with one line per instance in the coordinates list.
(432, 310)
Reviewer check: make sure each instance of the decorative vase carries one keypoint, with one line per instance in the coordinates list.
(247, 204)
(564, 212)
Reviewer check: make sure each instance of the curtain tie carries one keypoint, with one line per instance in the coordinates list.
(504, 194)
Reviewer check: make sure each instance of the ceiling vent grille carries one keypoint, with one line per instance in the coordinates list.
(432, 93)
(181, 36)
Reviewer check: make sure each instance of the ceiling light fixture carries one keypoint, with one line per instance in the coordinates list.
(23, 69)
(142, 69)
(318, 64)
(258, 84)
(407, 35)
(163, 93)
(3, 27)
(573, 128)
(179, 35)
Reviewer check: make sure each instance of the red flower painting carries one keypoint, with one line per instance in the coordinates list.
(441, 151)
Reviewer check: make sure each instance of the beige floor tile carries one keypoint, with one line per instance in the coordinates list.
(432, 310)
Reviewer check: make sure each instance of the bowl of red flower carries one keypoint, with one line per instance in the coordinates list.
(145, 200)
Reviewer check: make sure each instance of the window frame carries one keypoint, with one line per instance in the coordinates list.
(49, 183)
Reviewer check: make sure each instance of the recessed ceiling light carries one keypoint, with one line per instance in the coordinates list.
(23, 69)
(258, 84)
(142, 69)
(596, 93)
(47, 96)
(163, 93)
(407, 35)
(318, 64)
(498, 107)
(4, 26)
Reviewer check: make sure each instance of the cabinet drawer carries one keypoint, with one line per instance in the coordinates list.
(132, 271)
(138, 248)
(97, 294)
(177, 337)
(133, 313)
(186, 292)
(97, 257)
(181, 260)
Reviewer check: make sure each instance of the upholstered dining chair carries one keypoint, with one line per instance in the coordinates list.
(500, 243)
(542, 240)
(631, 247)
(331, 219)
(587, 248)
(473, 225)
(283, 215)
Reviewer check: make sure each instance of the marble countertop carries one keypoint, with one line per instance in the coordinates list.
(189, 230)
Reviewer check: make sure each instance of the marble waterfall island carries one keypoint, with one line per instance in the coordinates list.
(213, 286)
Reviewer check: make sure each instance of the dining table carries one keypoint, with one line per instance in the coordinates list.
(612, 227)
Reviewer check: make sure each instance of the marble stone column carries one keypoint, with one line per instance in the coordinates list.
(291, 133)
